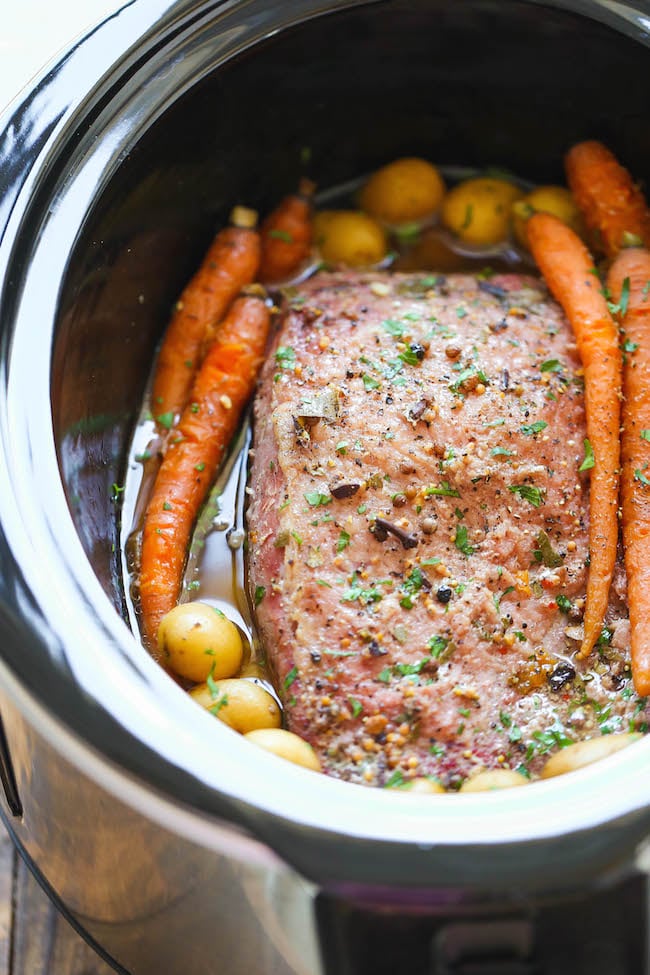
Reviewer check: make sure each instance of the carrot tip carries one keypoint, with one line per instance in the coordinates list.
(243, 217)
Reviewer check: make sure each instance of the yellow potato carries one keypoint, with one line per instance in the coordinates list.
(546, 199)
(286, 745)
(478, 210)
(422, 785)
(406, 190)
(197, 641)
(584, 753)
(491, 779)
(349, 237)
(239, 703)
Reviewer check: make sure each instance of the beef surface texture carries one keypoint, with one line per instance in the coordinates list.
(418, 529)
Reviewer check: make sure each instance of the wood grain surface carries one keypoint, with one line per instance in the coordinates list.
(34, 938)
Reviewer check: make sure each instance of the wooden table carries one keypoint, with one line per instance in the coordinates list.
(34, 938)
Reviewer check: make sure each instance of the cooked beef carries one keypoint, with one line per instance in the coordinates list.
(418, 529)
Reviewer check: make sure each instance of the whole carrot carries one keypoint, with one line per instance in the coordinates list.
(222, 387)
(231, 263)
(629, 283)
(613, 207)
(286, 235)
(568, 269)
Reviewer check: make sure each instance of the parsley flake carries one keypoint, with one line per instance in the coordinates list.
(530, 429)
(369, 382)
(461, 542)
(551, 365)
(589, 460)
(528, 492)
(317, 499)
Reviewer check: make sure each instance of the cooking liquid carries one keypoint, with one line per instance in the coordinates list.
(215, 571)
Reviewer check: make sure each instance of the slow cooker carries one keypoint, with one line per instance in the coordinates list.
(170, 842)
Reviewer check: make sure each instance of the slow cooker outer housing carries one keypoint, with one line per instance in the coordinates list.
(118, 166)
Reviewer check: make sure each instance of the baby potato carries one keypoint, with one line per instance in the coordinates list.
(403, 191)
(239, 703)
(546, 199)
(422, 785)
(286, 745)
(197, 640)
(349, 237)
(584, 753)
(478, 210)
(491, 779)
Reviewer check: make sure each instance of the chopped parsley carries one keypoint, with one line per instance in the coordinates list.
(469, 213)
(213, 687)
(317, 499)
(357, 593)
(528, 492)
(396, 329)
(285, 357)
(409, 356)
(409, 670)
(411, 586)
(497, 597)
(369, 382)
(621, 307)
(343, 541)
(466, 374)
(545, 553)
(166, 420)
(437, 646)
(290, 678)
(396, 780)
(589, 460)
(444, 490)
(544, 741)
(260, 593)
(640, 476)
(530, 429)
(564, 603)
(282, 235)
(218, 705)
(461, 542)
(356, 706)
(551, 365)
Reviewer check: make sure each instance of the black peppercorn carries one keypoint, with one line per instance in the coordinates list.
(561, 675)
(444, 594)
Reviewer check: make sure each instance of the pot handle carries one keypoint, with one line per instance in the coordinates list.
(595, 933)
